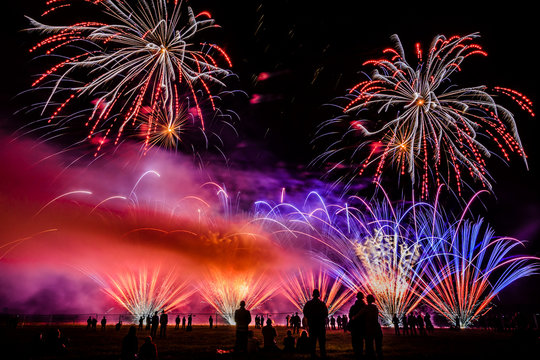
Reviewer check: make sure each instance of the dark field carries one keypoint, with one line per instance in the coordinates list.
(203, 343)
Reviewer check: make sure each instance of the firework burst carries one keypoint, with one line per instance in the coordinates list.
(413, 119)
(142, 61)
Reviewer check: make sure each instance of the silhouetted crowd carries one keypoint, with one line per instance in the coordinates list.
(362, 322)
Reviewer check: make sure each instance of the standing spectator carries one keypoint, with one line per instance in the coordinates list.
(211, 321)
(405, 324)
(155, 324)
(183, 322)
(177, 322)
(163, 321)
(345, 322)
(338, 321)
(356, 325)
(296, 324)
(148, 322)
(395, 321)
(269, 337)
(333, 323)
(103, 323)
(130, 345)
(287, 318)
(94, 324)
(89, 323)
(141, 321)
(373, 331)
(242, 317)
(429, 324)
(289, 343)
(420, 324)
(315, 311)
(411, 320)
(148, 350)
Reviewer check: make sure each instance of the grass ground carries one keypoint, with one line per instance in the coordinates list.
(203, 343)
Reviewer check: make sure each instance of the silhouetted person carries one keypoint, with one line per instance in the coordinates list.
(103, 323)
(211, 321)
(303, 345)
(148, 322)
(257, 321)
(411, 320)
(333, 323)
(183, 322)
(189, 322)
(94, 323)
(141, 322)
(315, 312)
(420, 324)
(148, 350)
(130, 344)
(155, 324)
(395, 321)
(118, 325)
(163, 321)
(429, 324)
(269, 337)
(287, 320)
(405, 324)
(296, 323)
(373, 331)
(89, 323)
(242, 317)
(356, 325)
(345, 322)
(457, 323)
(253, 344)
(289, 342)
(55, 342)
(177, 322)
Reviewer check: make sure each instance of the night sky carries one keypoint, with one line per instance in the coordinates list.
(314, 52)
